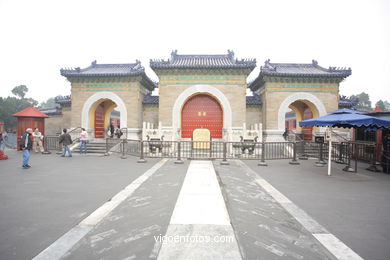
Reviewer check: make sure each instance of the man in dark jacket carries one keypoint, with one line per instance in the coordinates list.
(25, 146)
(66, 140)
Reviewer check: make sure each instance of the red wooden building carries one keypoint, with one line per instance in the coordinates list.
(30, 118)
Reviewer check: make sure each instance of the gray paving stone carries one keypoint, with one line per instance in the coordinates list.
(263, 227)
(40, 204)
(129, 231)
(353, 206)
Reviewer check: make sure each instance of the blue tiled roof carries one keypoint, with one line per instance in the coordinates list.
(63, 100)
(203, 61)
(149, 99)
(253, 100)
(106, 70)
(348, 102)
(51, 111)
(111, 70)
(312, 70)
(308, 69)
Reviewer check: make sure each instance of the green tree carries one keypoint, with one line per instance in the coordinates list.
(381, 105)
(364, 101)
(387, 106)
(11, 105)
(20, 91)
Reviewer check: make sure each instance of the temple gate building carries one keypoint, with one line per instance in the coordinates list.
(201, 91)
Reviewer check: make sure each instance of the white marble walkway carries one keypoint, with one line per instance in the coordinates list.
(200, 225)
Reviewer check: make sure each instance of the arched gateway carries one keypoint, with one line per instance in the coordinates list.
(97, 110)
(99, 88)
(201, 111)
(299, 87)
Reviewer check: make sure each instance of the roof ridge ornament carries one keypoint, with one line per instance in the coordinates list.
(93, 63)
(267, 64)
(137, 65)
(314, 62)
(231, 54)
(173, 55)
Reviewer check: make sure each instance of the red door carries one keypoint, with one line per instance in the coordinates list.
(201, 111)
(307, 130)
(99, 122)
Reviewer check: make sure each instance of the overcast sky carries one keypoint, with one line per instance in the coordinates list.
(38, 38)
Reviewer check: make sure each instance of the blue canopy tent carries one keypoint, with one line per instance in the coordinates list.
(345, 118)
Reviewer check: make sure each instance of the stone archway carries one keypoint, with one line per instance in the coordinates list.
(95, 100)
(201, 89)
(314, 103)
(201, 111)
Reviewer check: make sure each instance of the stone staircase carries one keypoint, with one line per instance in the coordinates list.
(93, 147)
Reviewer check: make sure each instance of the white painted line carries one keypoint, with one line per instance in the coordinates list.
(62, 245)
(336, 247)
(274, 192)
(328, 240)
(66, 242)
(200, 200)
(200, 213)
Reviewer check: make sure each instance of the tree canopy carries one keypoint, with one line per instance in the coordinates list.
(383, 105)
(11, 105)
(364, 103)
(20, 91)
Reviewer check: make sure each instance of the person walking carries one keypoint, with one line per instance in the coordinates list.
(37, 141)
(83, 141)
(112, 130)
(118, 132)
(25, 146)
(66, 140)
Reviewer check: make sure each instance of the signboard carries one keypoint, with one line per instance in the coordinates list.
(201, 138)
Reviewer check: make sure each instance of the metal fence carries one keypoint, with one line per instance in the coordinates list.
(208, 150)
(344, 152)
(51, 143)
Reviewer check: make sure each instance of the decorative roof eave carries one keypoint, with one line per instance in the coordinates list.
(63, 100)
(148, 83)
(110, 71)
(254, 100)
(203, 71)
(129, 69)
(30, 112)
(142, 78)
(73, 73)
(312, 71)
(199, 63)
(150, 100)
(341, 75)
(260, 81)
(256, 84)
(250, 66)
(52, 111)
(345, 102)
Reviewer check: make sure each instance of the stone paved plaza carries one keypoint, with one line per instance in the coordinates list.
(92, 207)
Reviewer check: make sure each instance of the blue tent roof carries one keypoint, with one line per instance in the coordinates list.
(346, 110)
(347, 120)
